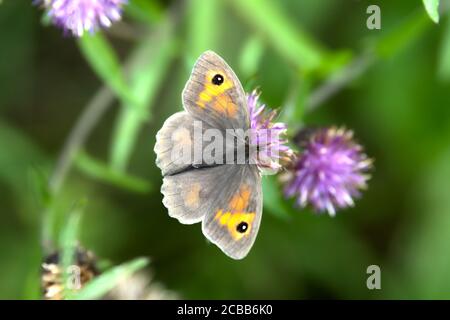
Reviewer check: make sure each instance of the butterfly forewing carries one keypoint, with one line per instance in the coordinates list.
(214, 94)
(180, 146)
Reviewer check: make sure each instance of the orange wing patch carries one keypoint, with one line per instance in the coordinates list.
(223, 104)
(216, 94)
(237, 220)
(240, 200)
(192, 196)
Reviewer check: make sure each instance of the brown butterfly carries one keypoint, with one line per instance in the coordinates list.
(225, 198)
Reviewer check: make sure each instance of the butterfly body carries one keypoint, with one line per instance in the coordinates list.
(225, 197)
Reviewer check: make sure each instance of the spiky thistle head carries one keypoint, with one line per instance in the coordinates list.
(268, 136)
(78, 16)
(330, 172)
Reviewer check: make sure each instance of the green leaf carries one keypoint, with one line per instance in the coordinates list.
(16, 165)
(400, 37)
(102, 284)
(103, 60)
(68, 240)
(22, 153)
(150, 64)
(432, 8)
(289, 39)
(444, 54)
(102, 172)
(39, 182)
(68, 237)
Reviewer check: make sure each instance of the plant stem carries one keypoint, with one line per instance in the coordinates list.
(94, 110)
(339, 81)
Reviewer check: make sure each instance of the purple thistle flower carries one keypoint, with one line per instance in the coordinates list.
(330, 172)
(78, 16)
(267, 136)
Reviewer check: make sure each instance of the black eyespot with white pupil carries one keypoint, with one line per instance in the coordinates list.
(217, 79)
(242, 227)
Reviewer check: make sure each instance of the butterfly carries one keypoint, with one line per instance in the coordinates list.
(225, 198)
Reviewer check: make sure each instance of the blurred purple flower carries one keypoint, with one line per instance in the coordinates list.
(267, 136)
(78, 16)
(330, 172)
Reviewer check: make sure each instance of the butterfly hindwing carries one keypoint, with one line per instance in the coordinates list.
(227, 199)
(234, 220)
(189, 196)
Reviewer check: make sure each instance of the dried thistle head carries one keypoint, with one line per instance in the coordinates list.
(81, 272)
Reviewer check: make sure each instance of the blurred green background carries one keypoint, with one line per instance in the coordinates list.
(392, 87)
